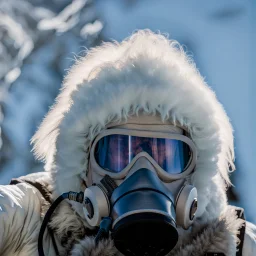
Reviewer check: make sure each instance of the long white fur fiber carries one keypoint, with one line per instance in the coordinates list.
(146, 72)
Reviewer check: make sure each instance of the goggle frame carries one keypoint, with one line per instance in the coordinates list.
(165, 176)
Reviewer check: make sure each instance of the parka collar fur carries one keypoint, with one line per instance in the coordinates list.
(149, 73)
(218, 236)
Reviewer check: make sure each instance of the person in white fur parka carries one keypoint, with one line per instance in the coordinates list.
(139, 133)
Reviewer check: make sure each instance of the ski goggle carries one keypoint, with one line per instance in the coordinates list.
(115, 150)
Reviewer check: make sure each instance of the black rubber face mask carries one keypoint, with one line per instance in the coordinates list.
(144, 216)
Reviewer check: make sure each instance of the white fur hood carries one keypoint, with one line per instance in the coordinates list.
(145, 72)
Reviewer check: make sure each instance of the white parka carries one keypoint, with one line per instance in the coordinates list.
(148, 73)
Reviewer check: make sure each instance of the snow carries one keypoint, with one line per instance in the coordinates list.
(66, 19)
(38, 43)
(91, 29)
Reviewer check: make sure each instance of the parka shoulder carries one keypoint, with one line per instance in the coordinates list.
(20, 220)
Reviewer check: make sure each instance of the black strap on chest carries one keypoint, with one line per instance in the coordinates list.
(46, 196)
(240, 235)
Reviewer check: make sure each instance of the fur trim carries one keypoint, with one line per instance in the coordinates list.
(149, 73)
(88, 247)
(68, 226)
(220, 235)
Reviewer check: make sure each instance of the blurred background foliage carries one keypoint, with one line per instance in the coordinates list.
(40, 40)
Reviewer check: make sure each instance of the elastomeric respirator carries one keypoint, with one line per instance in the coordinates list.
(138, 186)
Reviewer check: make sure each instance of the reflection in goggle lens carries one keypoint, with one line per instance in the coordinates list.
(115, 152)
